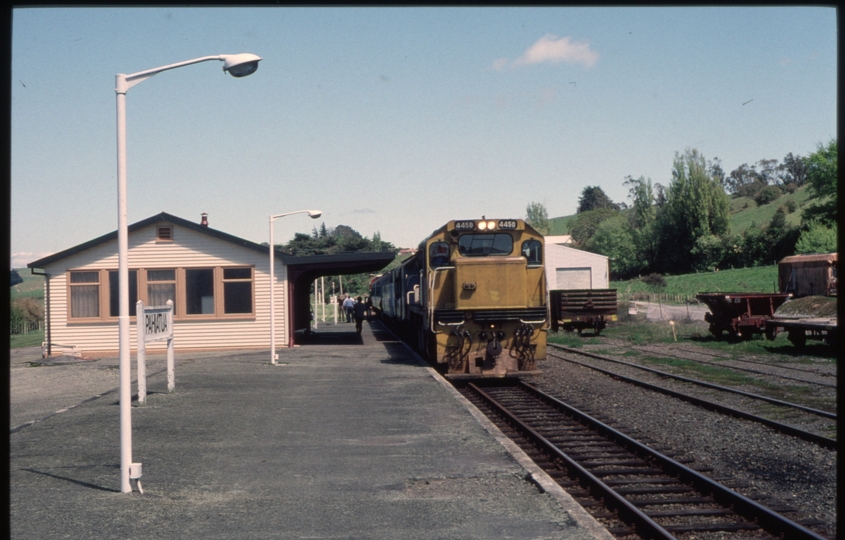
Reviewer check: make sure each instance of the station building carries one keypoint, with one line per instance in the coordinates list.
(219, 285)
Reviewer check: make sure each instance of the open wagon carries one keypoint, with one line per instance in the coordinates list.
(579, 309)
(740, 314)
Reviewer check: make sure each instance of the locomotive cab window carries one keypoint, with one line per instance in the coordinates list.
(533, 251)
(481, 245)
(438, 254)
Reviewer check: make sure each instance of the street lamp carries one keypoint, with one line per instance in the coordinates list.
(238, 65)
(313, 214)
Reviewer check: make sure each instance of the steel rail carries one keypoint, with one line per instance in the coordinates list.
(793, 368)
(820, 440)
(737, 368)
(703, 383)
(749, 509)
(770, 520)
(631, 514)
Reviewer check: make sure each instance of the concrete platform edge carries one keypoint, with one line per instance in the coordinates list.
(537, 475)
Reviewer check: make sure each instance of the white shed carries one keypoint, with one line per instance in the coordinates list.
(570, 268)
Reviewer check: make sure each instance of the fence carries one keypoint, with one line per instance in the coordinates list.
(24, 328)
(660, 298)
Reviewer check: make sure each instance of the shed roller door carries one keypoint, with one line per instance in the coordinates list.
(574, 278)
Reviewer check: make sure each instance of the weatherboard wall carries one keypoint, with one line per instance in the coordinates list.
(571, 260)
(188, 249)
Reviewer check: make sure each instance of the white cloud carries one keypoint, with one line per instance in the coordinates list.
(500, 64)
(551, 49)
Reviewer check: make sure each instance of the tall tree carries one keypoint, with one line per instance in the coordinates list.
(696, 206)
(821, 175)
(537, 216)
(593, 198)
(744, 181)
(795, 170)
(642, 219)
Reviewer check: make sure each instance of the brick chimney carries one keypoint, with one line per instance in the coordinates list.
(204, 221)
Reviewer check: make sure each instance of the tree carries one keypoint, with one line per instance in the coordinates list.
(707, 253)
(641, 194)
(537, 217)
(744, 181)
(14, 278)
(822, 177)
(767, 195)
(613, 238)
(594, 198)
(585, 224)
(341, 239)
(696, 206)
(771, 172)
(782, 236)
(795, 170)
(817, 238)
(642, 220)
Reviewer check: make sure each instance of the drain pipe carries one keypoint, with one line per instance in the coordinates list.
(46, 309)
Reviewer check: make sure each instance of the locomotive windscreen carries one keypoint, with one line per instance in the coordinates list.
(477, 245)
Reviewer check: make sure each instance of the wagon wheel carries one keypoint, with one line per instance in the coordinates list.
(771, 332)
(797, 337)
(716, 331)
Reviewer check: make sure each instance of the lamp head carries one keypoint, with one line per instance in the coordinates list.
(314, 214)
(240, 65)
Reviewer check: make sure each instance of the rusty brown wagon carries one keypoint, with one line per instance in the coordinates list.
(740, 314)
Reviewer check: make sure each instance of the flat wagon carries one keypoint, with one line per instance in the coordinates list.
(740, 314)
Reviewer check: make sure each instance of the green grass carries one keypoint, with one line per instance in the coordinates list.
(560, 225)
(32, 286)
(639, 332)
(745, 212)
(758, 279)
(33, 339)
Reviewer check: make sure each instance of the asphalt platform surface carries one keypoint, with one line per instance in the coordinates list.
(345, 437)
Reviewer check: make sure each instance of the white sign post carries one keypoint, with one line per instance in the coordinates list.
(155, 323)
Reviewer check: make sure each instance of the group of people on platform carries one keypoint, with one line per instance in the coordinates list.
(355, 309)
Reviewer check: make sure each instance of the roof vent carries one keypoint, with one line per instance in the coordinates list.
(204, 221)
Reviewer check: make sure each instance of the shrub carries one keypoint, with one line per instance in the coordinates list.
(791, 205)
(767, 195)
(654, 280)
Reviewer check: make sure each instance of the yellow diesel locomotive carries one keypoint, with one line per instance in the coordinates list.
(472, 299)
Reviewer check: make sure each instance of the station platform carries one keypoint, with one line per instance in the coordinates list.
(347, 436)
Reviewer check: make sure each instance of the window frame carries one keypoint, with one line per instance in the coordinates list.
(180, 287)
(539, 247)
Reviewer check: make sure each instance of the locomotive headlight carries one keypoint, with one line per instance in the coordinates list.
(491, 225)
(482, 225)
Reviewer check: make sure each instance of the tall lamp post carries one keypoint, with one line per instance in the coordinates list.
(313, 214)
(238, 65)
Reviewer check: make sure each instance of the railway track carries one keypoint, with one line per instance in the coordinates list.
(807, 376)
(634, 490)
(828, 417)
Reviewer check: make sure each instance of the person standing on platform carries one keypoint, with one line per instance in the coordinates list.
(360, 310)
(348, 305)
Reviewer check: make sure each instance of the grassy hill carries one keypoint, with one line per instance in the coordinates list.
(744, 212)
(758, 279)
(32, 286)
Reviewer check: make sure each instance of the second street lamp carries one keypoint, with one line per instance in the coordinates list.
(313, 214)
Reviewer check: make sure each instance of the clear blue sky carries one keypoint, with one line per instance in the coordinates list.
(395, 120)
